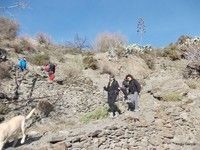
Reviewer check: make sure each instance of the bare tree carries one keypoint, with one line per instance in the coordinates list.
(141, 29)
(78, 43)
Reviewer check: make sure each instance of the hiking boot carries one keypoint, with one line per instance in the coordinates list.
(136, 110)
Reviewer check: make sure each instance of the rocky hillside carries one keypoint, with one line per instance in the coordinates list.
(72, 111)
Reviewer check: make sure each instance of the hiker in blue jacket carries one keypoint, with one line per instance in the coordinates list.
(22, 64)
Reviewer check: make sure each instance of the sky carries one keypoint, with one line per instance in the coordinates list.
(165, 20)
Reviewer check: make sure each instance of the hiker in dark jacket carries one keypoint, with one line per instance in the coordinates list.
(134, 89)
(113, 91)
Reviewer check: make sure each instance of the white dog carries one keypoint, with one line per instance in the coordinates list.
(11, 127)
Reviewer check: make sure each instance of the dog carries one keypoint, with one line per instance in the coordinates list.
(11, 127)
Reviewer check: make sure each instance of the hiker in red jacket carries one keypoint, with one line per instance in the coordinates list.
(50, 68)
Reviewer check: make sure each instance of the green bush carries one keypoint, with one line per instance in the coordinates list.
(39, 59)
(90, 62)
(172, 97)
(99, 113)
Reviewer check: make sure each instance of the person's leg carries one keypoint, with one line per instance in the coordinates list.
(136, 99)
(112, 107)
(131, 102)
(124, 91)
(117, 109)
(2, 144)
(23, 132)
(20, 68)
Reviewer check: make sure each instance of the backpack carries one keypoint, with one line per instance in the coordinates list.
(52, 68)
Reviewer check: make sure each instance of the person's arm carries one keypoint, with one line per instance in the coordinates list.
(25, 65)
(106, 88)
(117, 88)
(138, 86)
(131, 87)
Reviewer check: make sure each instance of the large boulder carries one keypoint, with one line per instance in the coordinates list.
(45, 108)
(166, 89)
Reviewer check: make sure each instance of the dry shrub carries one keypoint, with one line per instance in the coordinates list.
(72, 50)
(5, 71)
(105, 41)
(120, 51)
(183, 39)
(149, 60)
(39, 59)
(172, 52)
(8, 29)
(22, 45)
(43, 38)
(106, 70)
(72, 72)
(90, 62)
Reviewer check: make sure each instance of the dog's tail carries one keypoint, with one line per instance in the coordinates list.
(30, 114)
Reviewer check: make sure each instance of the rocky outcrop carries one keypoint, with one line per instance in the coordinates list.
(169, 87)
(192, 70)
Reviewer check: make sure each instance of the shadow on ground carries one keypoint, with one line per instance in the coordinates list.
(29, 140)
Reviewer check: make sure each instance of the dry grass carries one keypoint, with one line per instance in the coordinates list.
(40, 59)
(4, 71)
(192, 84)
(72, 70)
(172, 97)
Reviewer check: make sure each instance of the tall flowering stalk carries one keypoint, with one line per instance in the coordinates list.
(141, 29)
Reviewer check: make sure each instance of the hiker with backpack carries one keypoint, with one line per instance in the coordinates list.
(113, 90)
(50, 68)
(134, 89)
(22, 64)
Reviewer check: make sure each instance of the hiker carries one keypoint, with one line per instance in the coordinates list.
(50, 68)
(22, 64)
(124, 88)
(113, 91)
(134, 89)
